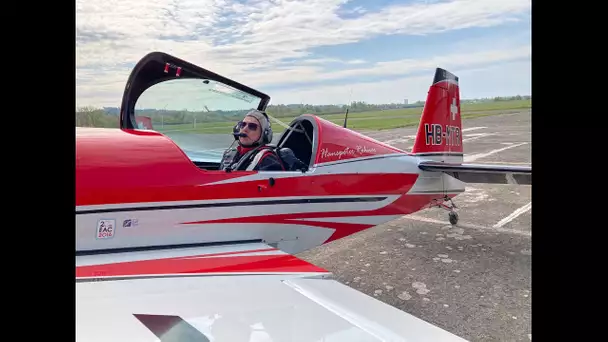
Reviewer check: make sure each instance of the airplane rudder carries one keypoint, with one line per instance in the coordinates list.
(440, 130)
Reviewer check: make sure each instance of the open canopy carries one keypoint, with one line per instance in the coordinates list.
(193, 106)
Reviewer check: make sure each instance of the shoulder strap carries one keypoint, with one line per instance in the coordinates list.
(257, 158)
(245, 158)
(227, 158)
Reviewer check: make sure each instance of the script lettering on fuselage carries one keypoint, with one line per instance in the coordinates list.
(347, 151)
(436, 135)
(365, 149)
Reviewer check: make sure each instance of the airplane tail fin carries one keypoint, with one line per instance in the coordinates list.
(439, 136)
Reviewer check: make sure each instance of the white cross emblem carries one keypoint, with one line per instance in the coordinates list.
(453, 109)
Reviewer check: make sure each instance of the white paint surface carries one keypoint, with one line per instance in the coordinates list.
(477, 136)
(465, 225)
(472, 129)
(513, 215)
(476, 156)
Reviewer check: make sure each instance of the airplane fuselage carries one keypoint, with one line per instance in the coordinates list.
(138, 189)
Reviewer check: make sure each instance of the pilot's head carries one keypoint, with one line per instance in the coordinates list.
(253, 125)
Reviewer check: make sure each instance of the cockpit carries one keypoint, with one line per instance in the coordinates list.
(199, 116)
(301, 138)
(198, 110)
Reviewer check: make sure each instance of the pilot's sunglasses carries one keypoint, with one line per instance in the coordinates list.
(252, 125)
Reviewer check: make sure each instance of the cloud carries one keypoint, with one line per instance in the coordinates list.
(474, 82)
(389, 68)
(267, 42)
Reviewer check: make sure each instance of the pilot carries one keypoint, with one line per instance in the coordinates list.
(253, 134)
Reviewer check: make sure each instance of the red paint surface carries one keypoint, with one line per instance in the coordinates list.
(338, 143)
(115, 166)
(121, 166)
(437, 111)
(188, 265)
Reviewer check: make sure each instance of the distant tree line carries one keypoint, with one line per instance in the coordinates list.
(108, 116)
(96, 117)
(499, 98)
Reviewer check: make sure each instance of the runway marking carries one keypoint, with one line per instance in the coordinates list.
(399, 140)
(472, 129)
(478, 136)
(513, 215)
(474, 157)
(469, 226)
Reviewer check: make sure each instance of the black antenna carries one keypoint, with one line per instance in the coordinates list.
(347, 108)
(345, 117)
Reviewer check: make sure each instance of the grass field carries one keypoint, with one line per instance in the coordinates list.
(373, 120)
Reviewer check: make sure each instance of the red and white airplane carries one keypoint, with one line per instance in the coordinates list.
(170, 248)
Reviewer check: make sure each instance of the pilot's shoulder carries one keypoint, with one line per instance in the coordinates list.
(270, 160)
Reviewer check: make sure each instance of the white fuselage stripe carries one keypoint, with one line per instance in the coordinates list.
(236, 201)
(206, 251)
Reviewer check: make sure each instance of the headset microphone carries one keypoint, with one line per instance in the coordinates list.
(236, 132)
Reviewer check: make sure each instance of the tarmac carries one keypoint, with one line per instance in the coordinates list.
(472, 279)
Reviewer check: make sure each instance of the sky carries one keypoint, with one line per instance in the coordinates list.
(311, 51)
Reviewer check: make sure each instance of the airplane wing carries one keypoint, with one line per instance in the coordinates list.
(237, 292)
(482, 173)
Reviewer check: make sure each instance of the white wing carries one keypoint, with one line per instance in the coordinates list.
(240, 292)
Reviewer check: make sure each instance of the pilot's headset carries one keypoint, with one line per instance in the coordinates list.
(262, 118)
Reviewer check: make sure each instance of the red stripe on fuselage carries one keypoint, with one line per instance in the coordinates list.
(240, 252)
(174, 187)
(404, 205)
(193, 265)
